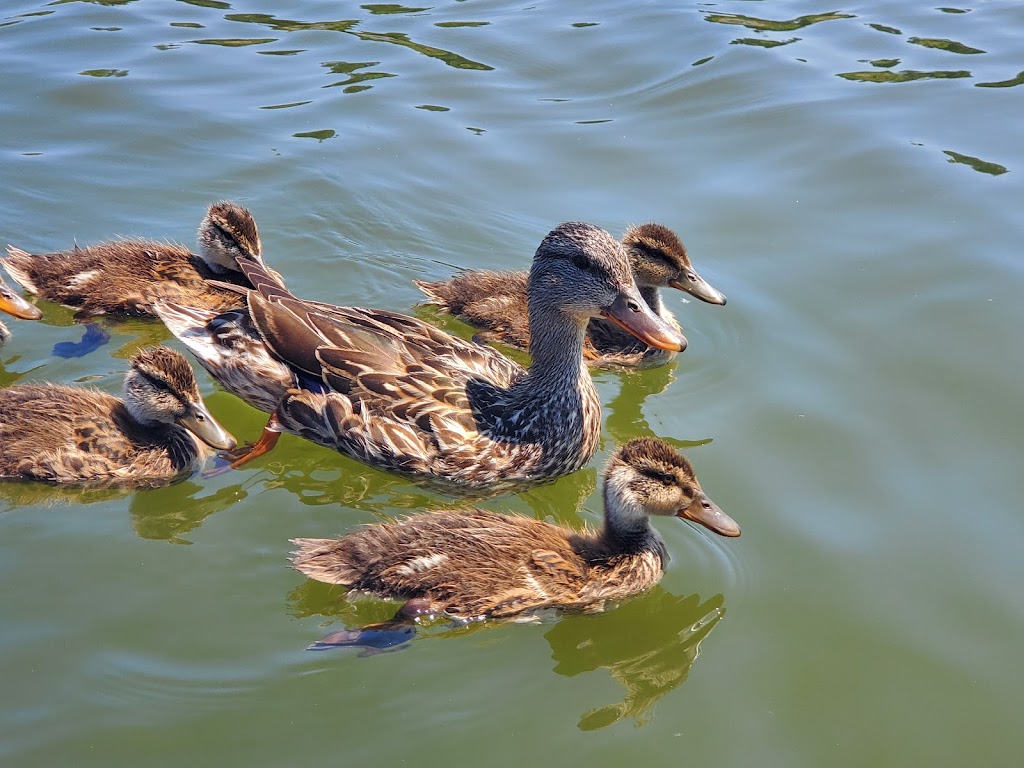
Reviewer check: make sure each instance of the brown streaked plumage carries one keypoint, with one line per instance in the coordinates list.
(14, 305)
(475, 564)
(65, 434)
(127, 276)
(496, 301)
(397, 393)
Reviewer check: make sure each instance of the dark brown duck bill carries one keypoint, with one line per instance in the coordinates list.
(15, 306)
(704, 511)
(200, 423)
(633, 315)
(697, 286)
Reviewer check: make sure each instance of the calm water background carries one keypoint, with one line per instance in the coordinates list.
(851, 178)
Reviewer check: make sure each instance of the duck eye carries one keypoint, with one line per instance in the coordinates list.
(661, 477)
(581, 262)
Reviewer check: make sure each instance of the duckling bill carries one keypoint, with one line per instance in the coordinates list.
(476, 564)
(13, 304)
(64, 434)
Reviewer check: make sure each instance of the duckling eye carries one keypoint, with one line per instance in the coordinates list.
(661, 477)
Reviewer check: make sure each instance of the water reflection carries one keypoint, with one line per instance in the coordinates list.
(952, 46)
(348, 26)
(648, 645)
(1018, 80)
(625, 417)
(981, 166)
(905, 76)
(179, 509)
(752, 22)
(22, 493)
(160, 514)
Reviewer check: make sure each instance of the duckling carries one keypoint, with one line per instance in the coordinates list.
(126, 276)
(15, 306)
(65, 434)
(496, 301)
(477, 564)
(398, 394)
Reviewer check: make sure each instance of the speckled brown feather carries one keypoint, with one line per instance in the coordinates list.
(401, 395)
(127, 276)
(66, 434)
(473, 564)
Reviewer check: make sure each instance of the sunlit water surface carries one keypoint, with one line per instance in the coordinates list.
(850, 178)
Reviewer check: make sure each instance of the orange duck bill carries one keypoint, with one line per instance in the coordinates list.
(15, 306)
(704, 511)
(632, 314)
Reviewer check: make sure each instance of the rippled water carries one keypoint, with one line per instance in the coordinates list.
(849, 177)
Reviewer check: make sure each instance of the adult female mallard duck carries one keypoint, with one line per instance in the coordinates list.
(475, 564)
(496, 301)
(15, 306)
(68, 435)
(397, 393)
(126, 276)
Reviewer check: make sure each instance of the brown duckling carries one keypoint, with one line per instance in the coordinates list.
(69, 435)
(15, 306)
(496, 301)
(127, 276)
(475, 564)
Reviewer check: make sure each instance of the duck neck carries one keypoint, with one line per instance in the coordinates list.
(652, 296)
(627, 527)
(556, 349)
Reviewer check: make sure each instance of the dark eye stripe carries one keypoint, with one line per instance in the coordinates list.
(661, 477)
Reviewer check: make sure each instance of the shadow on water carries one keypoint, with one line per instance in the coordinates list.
(647, 644)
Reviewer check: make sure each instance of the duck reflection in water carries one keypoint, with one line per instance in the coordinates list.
(648, 646)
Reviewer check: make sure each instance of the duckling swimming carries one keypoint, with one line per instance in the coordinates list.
(127, 276)
(65, 434)
(476, 564)
(496, 301)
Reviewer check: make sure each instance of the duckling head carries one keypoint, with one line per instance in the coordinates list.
(161, 388)
(660, 260)
(646, 476)
(583, 272)
(226, 233)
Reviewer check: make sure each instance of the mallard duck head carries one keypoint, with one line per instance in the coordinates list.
(583, 271)
(646, 476)
(14, 305)
(161, 388)
(660, 260)
(227, 232)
